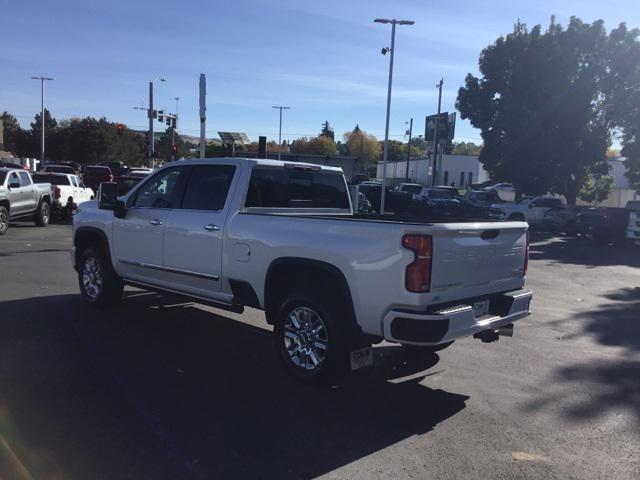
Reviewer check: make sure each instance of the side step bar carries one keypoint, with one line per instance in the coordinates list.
(229, 307)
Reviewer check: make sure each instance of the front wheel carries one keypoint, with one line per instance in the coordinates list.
(43, 214)
(311, 338)
(100, 286)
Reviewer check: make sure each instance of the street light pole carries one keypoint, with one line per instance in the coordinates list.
(437, 167)
(280, 130)
(391, 50)
(42, 80)
(151, 118)
(173, 130)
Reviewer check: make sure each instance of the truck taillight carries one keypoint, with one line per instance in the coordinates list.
(56, 192)
(526, 255)
(418, 272)
(110, 178)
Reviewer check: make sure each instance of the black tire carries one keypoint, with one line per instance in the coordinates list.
(4, 219)
(43, 214)
(99, 284)
(516, 217)
(601, 239)
(67, 212)
(336, 334)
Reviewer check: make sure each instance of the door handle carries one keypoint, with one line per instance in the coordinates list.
(211, 227)
(155, 222)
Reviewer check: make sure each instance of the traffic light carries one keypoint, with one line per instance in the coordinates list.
(173, 123)
(174, 149)
(168, 122)
(120, 129)
(160, 116)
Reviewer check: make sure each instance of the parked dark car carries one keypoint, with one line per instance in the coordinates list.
(59, 169)
(118, 169)
(394, 202)
(94, 175)
(126, 183)
(604, 225)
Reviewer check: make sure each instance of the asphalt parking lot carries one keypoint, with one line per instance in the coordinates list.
(159, 388)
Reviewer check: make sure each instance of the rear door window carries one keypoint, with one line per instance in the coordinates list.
(296, 188)
(208, 187)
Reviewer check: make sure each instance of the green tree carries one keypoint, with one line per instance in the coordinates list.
(16, 140)
(537, 106)
(466, 148)
(163, 146)
(362, 145)
(320, 145)
(622, 92)
(327, 131)
(592, 186)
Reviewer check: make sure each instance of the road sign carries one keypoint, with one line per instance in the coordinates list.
(446, 127)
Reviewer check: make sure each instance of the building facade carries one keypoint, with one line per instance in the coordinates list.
(456, 170)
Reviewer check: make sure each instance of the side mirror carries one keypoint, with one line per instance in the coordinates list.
(120, 209)
(531, 205)
(107, 195)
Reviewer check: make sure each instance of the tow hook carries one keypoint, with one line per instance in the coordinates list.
(492, 335)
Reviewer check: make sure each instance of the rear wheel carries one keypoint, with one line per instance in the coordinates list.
(100, 286)
(4, 220)
(312, 337)
(43, 214)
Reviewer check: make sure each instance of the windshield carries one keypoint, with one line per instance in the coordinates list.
(440, 194)
(412, 188)
(52, 179)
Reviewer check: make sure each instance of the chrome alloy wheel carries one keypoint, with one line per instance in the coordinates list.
(92, 278)
(4, 220)
(305, 338)
(45, 213)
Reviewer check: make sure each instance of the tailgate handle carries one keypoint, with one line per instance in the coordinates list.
(489, 234)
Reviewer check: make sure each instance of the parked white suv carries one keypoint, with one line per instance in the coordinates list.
(282, 237)
(528, 209)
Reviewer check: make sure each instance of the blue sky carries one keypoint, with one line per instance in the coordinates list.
(321, 58)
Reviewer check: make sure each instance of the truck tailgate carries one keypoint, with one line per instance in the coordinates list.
(478, 257)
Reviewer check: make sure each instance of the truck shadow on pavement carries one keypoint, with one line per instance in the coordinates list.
(611, 384)
(157, 388)
(582, 251)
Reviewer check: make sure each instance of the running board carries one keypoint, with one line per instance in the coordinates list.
(229, 307)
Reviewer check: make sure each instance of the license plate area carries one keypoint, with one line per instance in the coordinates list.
(361, 358)
(480, 308)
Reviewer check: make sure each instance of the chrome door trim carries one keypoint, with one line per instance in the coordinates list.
(180, 271)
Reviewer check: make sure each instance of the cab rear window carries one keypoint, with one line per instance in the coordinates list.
(296, 188)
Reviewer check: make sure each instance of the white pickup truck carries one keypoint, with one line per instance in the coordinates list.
(68, 191)
(528, 209)
(282, 237)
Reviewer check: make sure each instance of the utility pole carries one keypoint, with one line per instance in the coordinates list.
(42, 80)
(280, 130)
(173, 130)
(150, 114)
(391, 50)
(406, 171)
(436, 166)
(203, 113)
